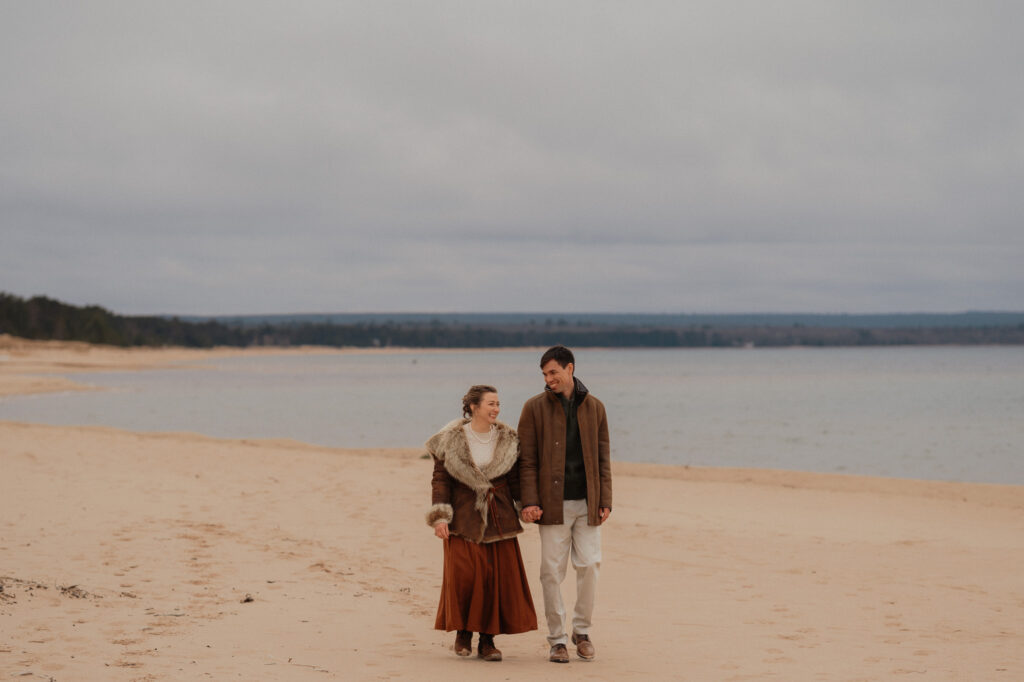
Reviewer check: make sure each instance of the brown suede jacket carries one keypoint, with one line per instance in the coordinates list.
(542, 459)
(478, 503)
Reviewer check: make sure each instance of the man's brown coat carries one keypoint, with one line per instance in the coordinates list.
(542, 454)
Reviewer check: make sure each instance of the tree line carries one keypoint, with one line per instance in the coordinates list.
(41, 317)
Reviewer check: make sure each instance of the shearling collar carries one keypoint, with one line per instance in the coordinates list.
(450, 446)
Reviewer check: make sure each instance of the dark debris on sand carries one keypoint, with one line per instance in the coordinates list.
(11, 587)
(75, 592)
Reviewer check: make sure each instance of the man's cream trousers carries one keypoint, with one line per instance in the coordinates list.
(574, 537)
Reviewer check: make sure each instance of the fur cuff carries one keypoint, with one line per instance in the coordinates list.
(440, 512)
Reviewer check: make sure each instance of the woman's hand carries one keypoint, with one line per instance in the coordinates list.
(531, 514)
(441, 530)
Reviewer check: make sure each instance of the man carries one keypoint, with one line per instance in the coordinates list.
(566, 480)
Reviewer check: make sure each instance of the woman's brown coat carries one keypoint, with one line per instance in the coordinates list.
(478, 503)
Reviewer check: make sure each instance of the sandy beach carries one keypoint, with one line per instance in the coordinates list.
(173, 556)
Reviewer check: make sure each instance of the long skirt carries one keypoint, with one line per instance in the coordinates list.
(484, 588)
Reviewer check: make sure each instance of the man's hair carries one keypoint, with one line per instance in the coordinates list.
(560, 354)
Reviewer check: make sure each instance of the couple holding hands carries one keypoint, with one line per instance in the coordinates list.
(556, 471)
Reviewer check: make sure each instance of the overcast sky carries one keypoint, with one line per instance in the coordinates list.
(256, 157)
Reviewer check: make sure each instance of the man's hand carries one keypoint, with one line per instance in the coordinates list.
(531, 514)
(605, 513)
(441, 530)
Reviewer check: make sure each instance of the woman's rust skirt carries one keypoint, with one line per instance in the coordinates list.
(484, 588)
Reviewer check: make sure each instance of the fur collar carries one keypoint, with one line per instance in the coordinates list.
(450, 446)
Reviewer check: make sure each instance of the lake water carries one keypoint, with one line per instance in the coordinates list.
(947, 413)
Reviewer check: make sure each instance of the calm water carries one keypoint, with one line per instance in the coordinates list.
(937, 413)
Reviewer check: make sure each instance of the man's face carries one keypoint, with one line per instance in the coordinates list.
(558, 378)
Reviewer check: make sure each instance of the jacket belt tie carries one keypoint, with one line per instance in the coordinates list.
(492, 508)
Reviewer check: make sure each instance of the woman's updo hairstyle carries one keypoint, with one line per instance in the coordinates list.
(473, 397)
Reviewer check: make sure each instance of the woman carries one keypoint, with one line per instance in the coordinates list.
(476, 479)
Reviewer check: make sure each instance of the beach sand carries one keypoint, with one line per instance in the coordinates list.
(28, 366)
(149, 556)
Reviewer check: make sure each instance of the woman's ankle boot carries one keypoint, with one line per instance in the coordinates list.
(486, 649)
(463, 643)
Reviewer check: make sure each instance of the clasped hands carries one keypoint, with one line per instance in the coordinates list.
(528, 514)
(531, 513)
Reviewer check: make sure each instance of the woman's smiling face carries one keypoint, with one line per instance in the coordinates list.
(488, 408)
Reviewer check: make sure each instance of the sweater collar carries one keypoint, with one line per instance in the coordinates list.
(580, 391)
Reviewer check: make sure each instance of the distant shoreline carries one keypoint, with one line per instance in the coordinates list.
(42, 318)
(30, 366)
(979, 318)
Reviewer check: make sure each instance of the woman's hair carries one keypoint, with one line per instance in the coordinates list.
(473, 396)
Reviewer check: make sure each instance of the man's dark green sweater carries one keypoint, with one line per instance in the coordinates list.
(575, 472)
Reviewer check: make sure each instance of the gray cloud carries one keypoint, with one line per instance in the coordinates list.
(249, 157)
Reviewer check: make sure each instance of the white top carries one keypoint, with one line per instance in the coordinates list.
(481, 445)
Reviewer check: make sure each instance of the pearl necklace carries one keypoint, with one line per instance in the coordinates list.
(478, 439)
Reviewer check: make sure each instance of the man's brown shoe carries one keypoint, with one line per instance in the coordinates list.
(559, 654)
(584, 647)
(463, 643)
(486, 650)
